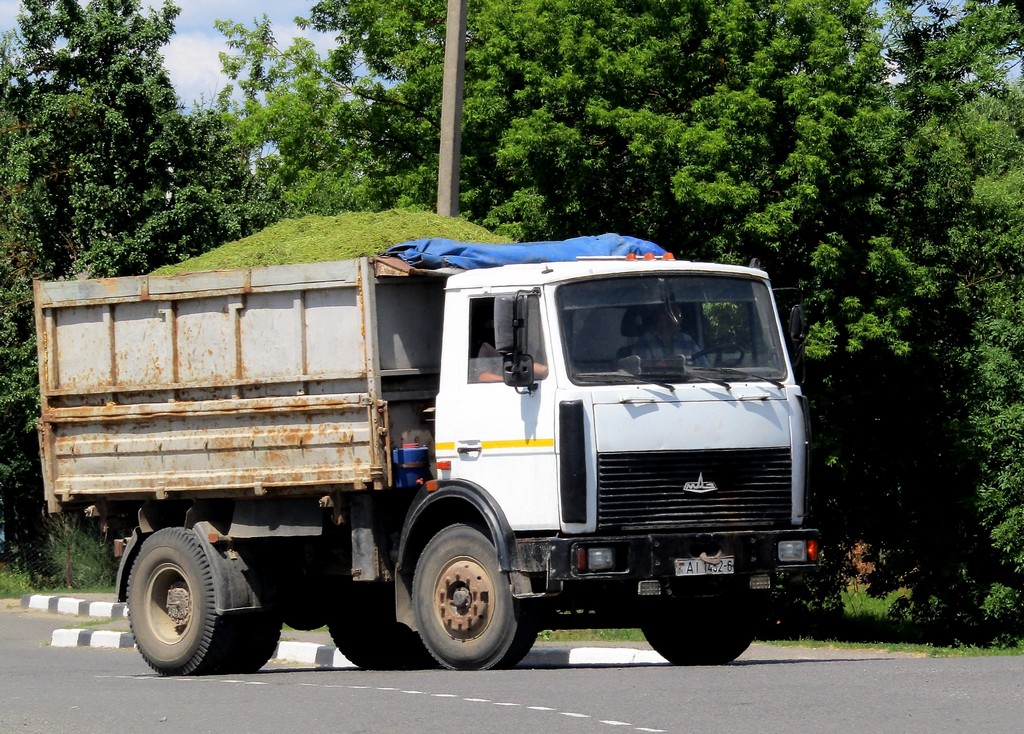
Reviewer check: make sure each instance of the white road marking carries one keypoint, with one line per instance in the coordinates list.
(387, 689)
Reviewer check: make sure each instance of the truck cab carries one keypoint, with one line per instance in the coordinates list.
(652, 464)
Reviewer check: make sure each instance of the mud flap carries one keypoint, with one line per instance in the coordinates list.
(237, 586)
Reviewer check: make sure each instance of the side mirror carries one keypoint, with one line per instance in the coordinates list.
(518, 372)
(504, 324)
(511, 330)
(797, 340)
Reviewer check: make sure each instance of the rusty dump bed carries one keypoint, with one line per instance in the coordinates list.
(283, 380)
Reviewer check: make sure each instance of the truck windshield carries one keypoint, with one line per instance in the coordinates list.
(670, 328)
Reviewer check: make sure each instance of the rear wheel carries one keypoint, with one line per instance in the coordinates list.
(254, 638)
(730, 620)
(463, 603)
(173, 612)
(366, 632)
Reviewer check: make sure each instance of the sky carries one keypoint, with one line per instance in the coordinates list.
(191, 57)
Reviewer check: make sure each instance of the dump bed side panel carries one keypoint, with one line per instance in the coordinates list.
(259, 381)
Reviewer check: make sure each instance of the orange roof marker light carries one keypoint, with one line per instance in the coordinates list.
(629, 257)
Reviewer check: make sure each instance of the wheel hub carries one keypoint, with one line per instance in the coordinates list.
(179, 606)
(463, 595)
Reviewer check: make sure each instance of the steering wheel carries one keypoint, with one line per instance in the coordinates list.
(726, 355)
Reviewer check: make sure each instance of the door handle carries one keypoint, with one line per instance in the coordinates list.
(468, 447)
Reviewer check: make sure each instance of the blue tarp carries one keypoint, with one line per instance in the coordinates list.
(433, 254)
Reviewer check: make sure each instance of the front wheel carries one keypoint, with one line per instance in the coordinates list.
(465, 611)
(727, 626)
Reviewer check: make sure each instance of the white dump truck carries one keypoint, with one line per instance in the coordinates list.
(433, 465)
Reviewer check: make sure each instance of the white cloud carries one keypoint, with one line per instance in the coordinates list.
(193, 64)
(191, 57)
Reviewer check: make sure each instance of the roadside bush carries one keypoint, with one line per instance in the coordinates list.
(14, 582)
(74, 555)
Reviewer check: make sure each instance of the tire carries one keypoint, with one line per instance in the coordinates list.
(254, 638)
(173, 612)
(463, 603)
(734, 618)
(368, 635)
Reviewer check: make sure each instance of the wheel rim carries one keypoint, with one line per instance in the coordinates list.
(169, 604)
(462, 598)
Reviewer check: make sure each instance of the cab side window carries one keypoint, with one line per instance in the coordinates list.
(485, 361)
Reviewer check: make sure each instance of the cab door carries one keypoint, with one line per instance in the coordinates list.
(498, 437)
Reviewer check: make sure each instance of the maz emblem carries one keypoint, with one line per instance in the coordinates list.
(700, 486)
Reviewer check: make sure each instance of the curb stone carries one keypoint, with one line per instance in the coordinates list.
(91, 638)
(308, 653)
(327, 656)
(76, 607)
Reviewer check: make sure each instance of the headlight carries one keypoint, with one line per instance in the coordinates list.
(793, 551)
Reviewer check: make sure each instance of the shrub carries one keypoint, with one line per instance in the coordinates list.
(75, 555)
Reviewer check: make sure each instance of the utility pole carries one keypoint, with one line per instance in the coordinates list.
(451, 110)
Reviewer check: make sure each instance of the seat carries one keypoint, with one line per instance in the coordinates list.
(635, 320)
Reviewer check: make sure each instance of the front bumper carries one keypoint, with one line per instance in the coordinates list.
(652, 556)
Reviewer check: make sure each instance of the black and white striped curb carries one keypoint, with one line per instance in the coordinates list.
(91, 638)
(326, 656)
(76, 607)
(308, 653)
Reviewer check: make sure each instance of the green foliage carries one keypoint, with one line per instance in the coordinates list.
(101, 173)
(75, 556)
(720, 130)
(71, 554)
(110, 177)
(14, 583)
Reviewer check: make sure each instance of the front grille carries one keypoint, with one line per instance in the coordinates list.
(644, 490)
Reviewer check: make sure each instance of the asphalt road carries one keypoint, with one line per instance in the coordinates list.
(784, 690)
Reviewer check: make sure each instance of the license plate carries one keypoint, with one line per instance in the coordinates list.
(700, 567)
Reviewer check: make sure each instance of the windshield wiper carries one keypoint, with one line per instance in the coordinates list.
(739, 373)
(693, 372)
(626, 377)
(667, 385)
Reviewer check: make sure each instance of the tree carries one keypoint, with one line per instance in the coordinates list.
(711, 128)
(295, 117)
(101, 173)
(902, 392)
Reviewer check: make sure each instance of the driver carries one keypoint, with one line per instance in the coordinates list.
(663, 338)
